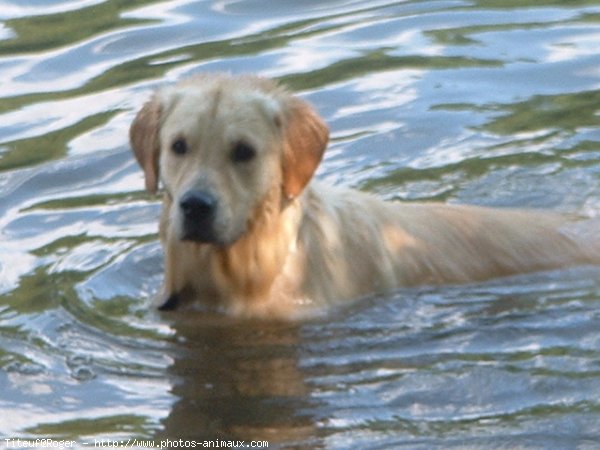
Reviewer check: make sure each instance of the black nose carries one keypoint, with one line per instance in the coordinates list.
(198, 205)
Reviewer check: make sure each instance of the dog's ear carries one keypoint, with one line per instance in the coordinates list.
(143, 136)
(306, 137)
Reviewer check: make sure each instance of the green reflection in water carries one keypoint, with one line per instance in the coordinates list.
(50, 146)
(565, 111)
(36, 33)
(90, 201)
(376, 61)
(133, 425)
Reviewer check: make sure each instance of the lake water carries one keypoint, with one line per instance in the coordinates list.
(493, 102)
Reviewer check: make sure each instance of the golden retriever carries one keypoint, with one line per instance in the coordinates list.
(244, 228)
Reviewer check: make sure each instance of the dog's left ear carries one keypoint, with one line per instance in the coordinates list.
(306, 137)
(143, 136)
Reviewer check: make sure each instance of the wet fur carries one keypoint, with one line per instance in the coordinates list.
(290, 243)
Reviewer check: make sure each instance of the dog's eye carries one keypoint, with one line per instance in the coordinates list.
(242, 152)
(179, 146)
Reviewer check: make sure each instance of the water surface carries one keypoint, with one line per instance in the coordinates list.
(485, 102)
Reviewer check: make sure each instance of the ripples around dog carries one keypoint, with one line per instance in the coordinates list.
(492, 103)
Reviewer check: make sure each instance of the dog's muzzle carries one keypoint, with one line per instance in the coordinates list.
(198, 210)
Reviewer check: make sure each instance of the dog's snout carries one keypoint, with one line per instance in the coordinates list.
(198, 211)
(198, 205)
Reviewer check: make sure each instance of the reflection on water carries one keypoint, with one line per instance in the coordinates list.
(238, 380)
(486, 102)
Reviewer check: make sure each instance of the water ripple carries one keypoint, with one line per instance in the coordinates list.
(482, 102)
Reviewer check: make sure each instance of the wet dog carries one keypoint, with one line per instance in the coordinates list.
(244, 228)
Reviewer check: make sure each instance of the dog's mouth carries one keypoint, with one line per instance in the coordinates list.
(200, 235)
(208, 234)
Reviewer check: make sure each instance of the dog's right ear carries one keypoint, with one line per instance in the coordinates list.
(145, 142)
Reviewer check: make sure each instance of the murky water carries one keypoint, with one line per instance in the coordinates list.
(486, 102)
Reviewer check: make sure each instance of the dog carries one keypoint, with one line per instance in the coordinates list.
(245, 230)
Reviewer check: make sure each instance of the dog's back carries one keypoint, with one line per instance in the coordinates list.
(357, 244)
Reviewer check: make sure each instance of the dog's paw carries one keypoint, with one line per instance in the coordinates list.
(169, 303)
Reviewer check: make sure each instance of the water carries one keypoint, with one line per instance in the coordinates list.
(484, 102)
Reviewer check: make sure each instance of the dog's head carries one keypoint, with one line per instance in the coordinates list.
(221, 145)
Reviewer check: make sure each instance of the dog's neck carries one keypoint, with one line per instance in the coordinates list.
(250, 268)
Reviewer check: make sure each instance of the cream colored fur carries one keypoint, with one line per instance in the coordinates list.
(286, 245)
